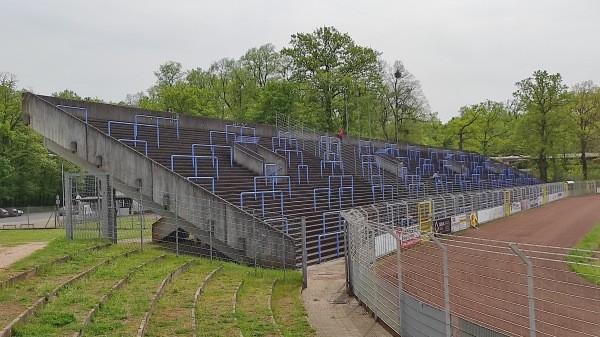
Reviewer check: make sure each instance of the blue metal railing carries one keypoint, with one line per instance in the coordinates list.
(76, 108)
(218, 133)
(215, 161)
(371, 166)
(239, 127)
(212, 150)
(320, 189)
(333, 163)
(288, 154)
(156, 118)
(135, 144)
(286, 140)
(273, 181)
(339, 214)
(302, 167)
(365, 147)
(246, 139)
(212, 179)
(283, 220)
(271, 169)
(382, 189)
(262, 203)
(337, 242)
(134, 127)
(342, 188)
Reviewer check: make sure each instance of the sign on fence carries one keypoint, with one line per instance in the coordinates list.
(409, 236)
(555, 196)
(490, 214)
(458, 222)
(442, 226)
(515, 207)
(535, 202)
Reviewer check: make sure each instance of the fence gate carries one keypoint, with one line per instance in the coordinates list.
(507, 202)
(544, 193)
(90, 207)
(425, 219)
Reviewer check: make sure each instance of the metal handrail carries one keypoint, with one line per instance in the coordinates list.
(157, 118)
(262, 203)
(212, 150)
(76, 108)
(204, 178)
(134, 141)
(214, 160)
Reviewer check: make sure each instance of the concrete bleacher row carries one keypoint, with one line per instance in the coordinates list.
(314, 177)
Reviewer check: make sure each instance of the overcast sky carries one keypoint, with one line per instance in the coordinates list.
(462, 51)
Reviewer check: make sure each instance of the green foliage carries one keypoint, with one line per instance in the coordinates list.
(328, 63)
(582, 260)
(56, 318)
(28, 176)
(542, 123)
(584, 108)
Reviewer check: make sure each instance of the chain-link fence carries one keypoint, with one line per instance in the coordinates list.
(100, 209)
(89, 207)
(450, 285)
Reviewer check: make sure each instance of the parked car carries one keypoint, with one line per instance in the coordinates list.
(3, 213)
(12, 211)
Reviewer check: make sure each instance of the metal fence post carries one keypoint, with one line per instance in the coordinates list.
(284, 253)
(304, 257)
(399, 271)
(375, 290)
(530, 296)
(446, 284)
(347, 258)
(254, 239)
(354, 152)
(176, 229)
(210, 230)
(140, 212)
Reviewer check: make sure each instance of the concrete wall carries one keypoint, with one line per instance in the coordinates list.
(97, 152)
(126, 114)
(249, 159)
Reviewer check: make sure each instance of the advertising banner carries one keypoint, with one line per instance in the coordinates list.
(535, 202)
(409, 236)
(490, 214)
(458, 222)
(515, 207)
(384, 244)
(524, 204)
(442, 226)
(555, 196)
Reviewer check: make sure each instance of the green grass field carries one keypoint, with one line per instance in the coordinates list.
(585, 260)
(122, 311)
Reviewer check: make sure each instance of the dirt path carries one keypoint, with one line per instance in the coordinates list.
(9, 255)
(488, 282)
(330, 311)
(561, 224)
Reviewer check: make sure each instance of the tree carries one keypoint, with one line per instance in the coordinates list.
(328, 61)
(25, 174)
(463, 126)
(221, 73)
(585, 110)
(540, 98)
(492, 126)
(405, 99)
(262, 63)
(67, 94)
(168, 74)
